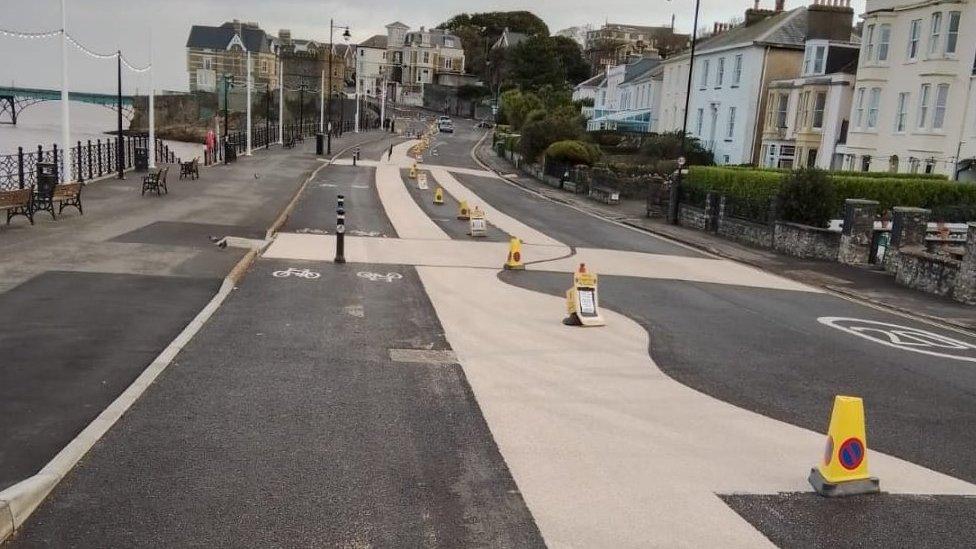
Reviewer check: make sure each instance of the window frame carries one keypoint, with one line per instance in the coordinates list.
(859, 107)
(914, 38)
(706, 68)
(924, 96)
(720, 73)
(731, 123)
(941, 107)
(737, 70)
(869, 43)
(901, 112)
(935, 33)
(819, 107)
(884, 39)
(952, 36)
(874, 105)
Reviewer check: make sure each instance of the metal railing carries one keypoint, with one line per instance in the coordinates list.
(86, 161)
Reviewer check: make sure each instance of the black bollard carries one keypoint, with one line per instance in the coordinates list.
(340, 256)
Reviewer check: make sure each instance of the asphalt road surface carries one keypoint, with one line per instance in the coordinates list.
(322, 404)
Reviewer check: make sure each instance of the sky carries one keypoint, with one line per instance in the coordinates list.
(130, 25)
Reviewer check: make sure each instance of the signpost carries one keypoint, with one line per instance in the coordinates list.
(582, 301)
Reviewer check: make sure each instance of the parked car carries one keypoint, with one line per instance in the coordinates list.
(446, 126)
(484, 124)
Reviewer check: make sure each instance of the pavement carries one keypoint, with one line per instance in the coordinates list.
(419, 395)
(91, 300)
(862, 283)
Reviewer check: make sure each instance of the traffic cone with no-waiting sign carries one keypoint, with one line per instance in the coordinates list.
(844, 470)
(514, 262)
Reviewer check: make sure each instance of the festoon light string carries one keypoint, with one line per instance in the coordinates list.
(78, 45)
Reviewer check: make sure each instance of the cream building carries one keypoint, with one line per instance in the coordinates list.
(914, 108)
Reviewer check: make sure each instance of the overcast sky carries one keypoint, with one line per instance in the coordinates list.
(106, 25)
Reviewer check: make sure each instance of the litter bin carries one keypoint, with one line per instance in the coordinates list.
(142, 159)
(47, 179)
(320, 144)
(230, 151)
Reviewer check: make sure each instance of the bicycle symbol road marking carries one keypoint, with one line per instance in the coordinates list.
(300, 273)
(374, 277)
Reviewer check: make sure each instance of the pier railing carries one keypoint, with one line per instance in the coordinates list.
(87, 161)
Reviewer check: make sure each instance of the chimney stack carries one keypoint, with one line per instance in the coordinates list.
(830, 20)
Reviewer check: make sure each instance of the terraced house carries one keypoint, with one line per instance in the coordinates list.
(914, 105)
(807, 117)
(419, 58)
(732, 73)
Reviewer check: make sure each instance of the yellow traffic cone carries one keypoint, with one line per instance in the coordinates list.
(413, 171)
(514, 262)
(844, 470)
(464, 213)
(439, 196)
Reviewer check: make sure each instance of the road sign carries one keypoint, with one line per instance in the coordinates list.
(851, 453)
(422, 181)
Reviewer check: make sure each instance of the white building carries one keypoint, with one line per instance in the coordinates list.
(808, 116)
(732, 73)
(369, 65)
(914, 108)
(627, 99)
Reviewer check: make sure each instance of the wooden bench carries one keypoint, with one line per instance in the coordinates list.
(155, 181)
(605, 194)
(18, 202)
(68, 194)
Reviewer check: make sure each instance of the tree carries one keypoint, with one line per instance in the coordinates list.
(516, 106)
(534, 63)
(571, 57)
(480, 30)
(538, 135)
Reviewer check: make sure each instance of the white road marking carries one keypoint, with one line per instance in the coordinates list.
(300, 273)
(903, 338)
(373, 277)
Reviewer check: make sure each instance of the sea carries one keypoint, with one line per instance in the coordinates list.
(40, 124)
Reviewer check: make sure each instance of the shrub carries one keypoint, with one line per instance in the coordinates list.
(538, 135)
(948, 200)
(807, 196)
(668, 145)
(573, 152)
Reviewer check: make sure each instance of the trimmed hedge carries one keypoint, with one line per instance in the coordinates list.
(573, 152)
(948, 200)
(873, 175)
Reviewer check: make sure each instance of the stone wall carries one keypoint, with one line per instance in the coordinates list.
(692, 217)
(740, 230)
(920, 270)
(806, 242)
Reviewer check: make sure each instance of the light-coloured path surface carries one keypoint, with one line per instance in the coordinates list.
(605, 448)
(405, 162)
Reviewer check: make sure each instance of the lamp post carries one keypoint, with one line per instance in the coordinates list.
(228, 82)
(280, 67)
(676, 186)
(345, 35)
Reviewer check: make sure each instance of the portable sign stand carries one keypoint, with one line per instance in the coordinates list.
(582, 302)
(422, 181)
(477, 226)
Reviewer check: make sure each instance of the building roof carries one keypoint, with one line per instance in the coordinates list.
(786, 29)
(438, 37)
(592, 82)
(398, 24)
(378, 41)
(639, 68)
(509, 39)
(218, 38)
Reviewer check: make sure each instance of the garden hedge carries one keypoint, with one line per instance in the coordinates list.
(949, 201)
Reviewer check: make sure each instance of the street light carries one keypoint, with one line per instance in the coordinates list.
(675, 187)
(228, 82)
(345, 36)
